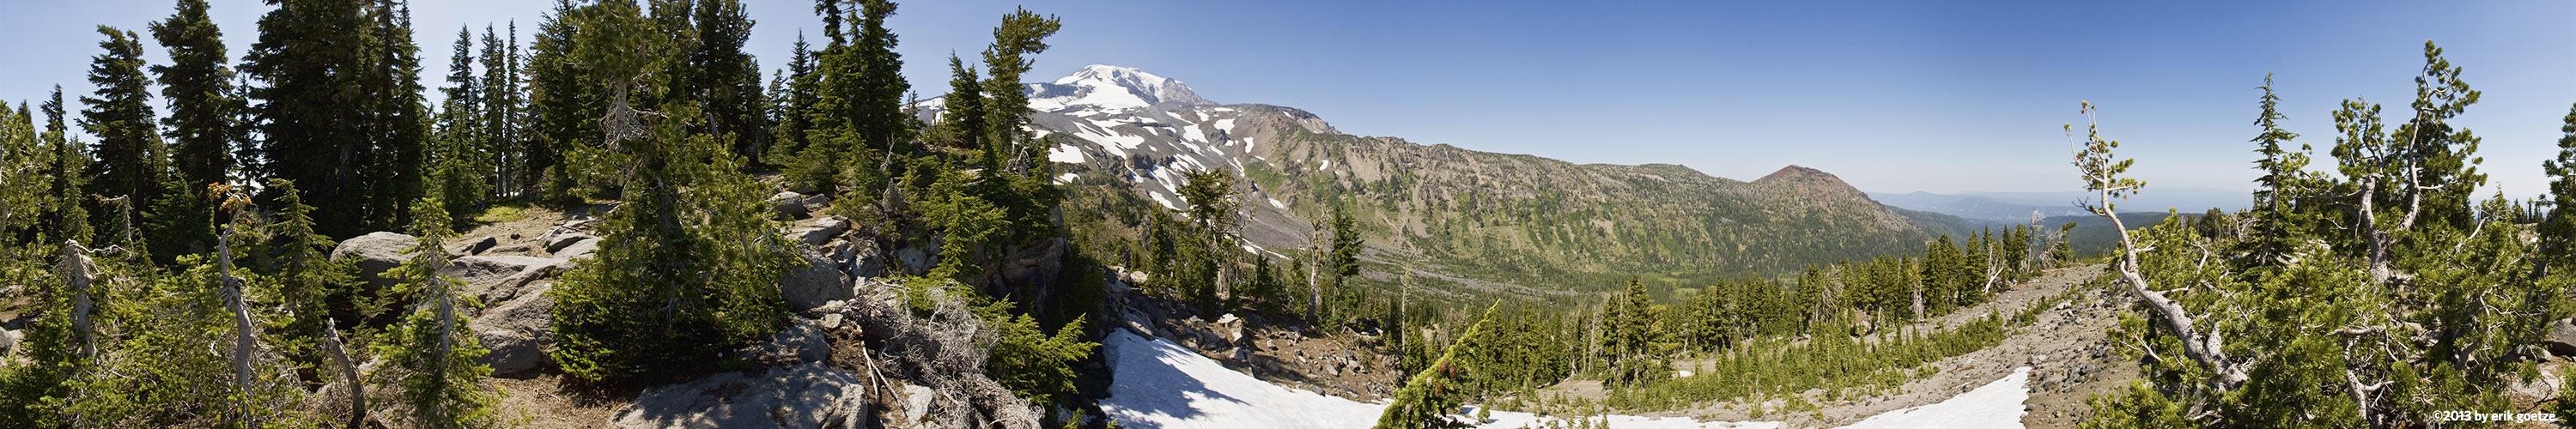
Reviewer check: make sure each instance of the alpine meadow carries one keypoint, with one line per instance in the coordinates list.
(855, 214)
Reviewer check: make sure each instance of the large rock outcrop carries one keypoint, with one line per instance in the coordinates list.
(806, 396)
(819, 281)
(375, 253)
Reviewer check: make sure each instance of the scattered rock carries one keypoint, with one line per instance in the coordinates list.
(818, 282)
(375, 253)
(557, 243)
(830, 320)
(514, 249)
(808, 396)
(8, 342)
(578, 250)
(915, 262)
(916, 406)
(478, 246)
(518, 332)
(820, 232)
(2562, 337)
(788, 204)
(803, 341)
(816, 203)
(497, 278)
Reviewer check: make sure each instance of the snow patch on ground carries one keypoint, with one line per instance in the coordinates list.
(1065, 154)
(1995, 405)
(1065, 178)
(1167, 202)
(1327, 164)
(1161, 385)
(1226, 125)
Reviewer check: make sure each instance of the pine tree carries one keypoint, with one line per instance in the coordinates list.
(1021, 35)
(725, 80)
(433, 359)
(204, 106)
(963, 119)
(2278, 187)
(131, 158)
(652, 298)
(24, 162)
(459, 156)
(858, 106)
(565, 107)
(1426, 398)
(2558, 229)
(340, 109)
(1214, 212)
(795, 105)
(302, 279)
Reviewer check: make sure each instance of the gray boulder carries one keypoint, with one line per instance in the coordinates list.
(496, 278)
(788, 204)
(802, 342)
(555, 243)
(375, 253)
(807, 396)
(820, 231)
(578, 249)
(860, 259)
(8, 342)
(517, 332)
(2562, 337)
(819, 281)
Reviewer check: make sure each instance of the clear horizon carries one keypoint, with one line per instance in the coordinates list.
(1892, 97)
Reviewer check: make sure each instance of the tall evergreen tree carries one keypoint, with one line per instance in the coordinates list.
(2281, 169)
(69, 219)
(667, 288)
(725, 81)
(458, 156)
(1021, 35)
(340, 108)
(565, 108)
(204, 106)
(2558, 229)
(131, 158)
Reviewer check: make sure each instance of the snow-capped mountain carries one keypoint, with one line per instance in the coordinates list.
(1114, 126)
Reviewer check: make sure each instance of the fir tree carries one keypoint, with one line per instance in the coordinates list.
(432, 357)
(665, 290)
(566, 108)
(2558, 229)
(204, 106)
(69, 217)
(131, 158)
(1427, 398)
(2277, 188)
(340, 109)
(725, 80)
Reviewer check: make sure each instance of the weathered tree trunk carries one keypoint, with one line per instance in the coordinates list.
(244, 340)
(78, 272)
(2204, 348)
(1314, 284)
(339, 355)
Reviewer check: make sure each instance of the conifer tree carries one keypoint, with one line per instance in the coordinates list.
(725, 80)
(565, 107)
(340, 108)
(666, 288)
(69, 216)
(1426, 398)
(2558, 229)
(433, 359)
(131, 158)
(1021, 35)
(795, 105)
(2277, 188)
(205, 109)
(458, 157)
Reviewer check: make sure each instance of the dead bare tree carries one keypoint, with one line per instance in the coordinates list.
(2101, 171)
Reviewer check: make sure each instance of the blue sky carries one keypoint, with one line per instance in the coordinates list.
(1892, 96)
